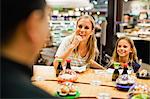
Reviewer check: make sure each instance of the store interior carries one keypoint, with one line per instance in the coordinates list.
(113, 18)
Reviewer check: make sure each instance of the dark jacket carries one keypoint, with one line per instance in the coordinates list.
(16, 83)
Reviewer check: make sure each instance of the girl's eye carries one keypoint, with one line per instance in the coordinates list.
(80, 26)
(86, 27)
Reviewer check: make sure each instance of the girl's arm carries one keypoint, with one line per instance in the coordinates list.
(136, 66)
(94, 64)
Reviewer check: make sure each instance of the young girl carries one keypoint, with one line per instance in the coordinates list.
(81, 46)
(125, 52)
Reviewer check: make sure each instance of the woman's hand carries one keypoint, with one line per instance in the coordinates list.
(76, 40)
(94, 64)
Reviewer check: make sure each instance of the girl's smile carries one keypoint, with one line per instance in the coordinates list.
(123, 48)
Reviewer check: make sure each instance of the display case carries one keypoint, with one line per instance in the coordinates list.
(61, 29)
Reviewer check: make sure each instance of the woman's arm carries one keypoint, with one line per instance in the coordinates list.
(94, 64)
(65, 53)
(64, 56)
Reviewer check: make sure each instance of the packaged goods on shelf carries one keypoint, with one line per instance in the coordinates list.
(61, 29)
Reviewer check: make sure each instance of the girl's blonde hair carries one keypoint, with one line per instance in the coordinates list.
(132, 55)
(92, 42)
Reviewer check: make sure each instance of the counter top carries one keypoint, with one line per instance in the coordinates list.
(133, 36)
(48, 82)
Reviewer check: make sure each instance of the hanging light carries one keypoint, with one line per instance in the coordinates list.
(126, 0)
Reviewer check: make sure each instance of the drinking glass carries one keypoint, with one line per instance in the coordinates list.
(95, 80)
(103, 96)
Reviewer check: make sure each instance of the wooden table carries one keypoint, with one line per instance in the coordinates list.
(46, 80)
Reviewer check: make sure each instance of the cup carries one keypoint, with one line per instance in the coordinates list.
(103, 96)
(103, 75)
(95, 80)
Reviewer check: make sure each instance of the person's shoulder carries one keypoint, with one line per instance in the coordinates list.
(68, 38)
(136, 66)
(135, 63)
(36, 92)
(23, 89)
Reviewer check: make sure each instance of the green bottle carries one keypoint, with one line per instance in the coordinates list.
(116, 71)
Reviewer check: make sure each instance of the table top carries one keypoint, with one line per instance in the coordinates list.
(44, 78)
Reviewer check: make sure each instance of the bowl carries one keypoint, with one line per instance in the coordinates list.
(124, 82)
(79, 69)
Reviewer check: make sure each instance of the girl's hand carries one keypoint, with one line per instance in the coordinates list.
(77, 39)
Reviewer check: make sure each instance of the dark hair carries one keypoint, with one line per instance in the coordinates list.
(14, 12)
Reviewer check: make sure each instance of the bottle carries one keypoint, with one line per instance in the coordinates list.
(59, 67)
(115, 75)
(116, 71)
(68, 64)
(125, 68)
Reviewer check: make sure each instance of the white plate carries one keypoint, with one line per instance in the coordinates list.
(79, 69)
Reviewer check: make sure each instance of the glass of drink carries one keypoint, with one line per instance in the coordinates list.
(95, 80)
(103, 96)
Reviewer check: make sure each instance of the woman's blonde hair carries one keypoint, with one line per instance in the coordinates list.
(132, 55)
(92, 42)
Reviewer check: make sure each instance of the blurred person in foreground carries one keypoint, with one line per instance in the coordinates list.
(81, 46)
(24, 31)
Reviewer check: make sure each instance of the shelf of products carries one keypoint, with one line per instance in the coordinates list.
(141, 30)
(61, 29)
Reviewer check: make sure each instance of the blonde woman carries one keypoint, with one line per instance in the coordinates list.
(125, 52)
(81, 46)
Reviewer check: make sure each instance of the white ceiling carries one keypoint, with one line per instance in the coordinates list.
(69, 3)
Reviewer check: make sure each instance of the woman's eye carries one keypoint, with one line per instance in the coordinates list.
(86, 27)
(80, 26)
(125, 46)
(119, 45)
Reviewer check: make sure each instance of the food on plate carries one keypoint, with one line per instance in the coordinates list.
(67, 88)
(64, 90)
(139, 91)
(67, 75)
(141, 96)
(72, 90)
(143, 73)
